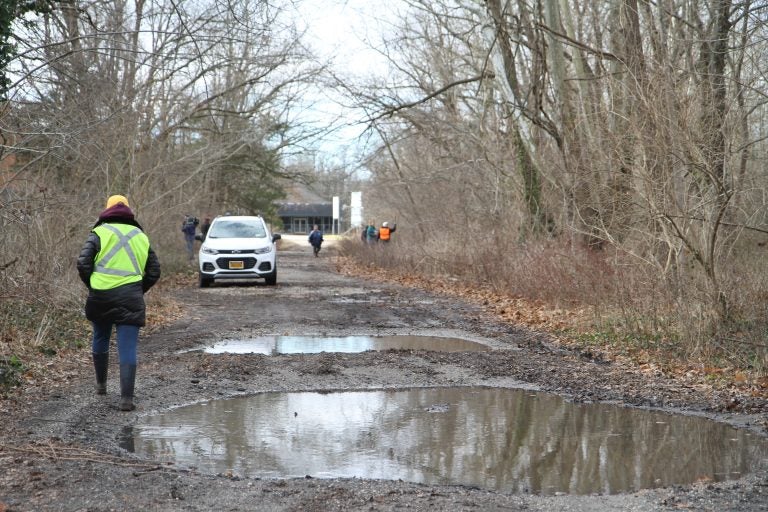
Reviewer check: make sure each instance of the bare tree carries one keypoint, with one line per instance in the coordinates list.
(636, 126)
(178, 105)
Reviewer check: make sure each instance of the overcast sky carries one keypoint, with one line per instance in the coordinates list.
(346, 33)
(346, 29)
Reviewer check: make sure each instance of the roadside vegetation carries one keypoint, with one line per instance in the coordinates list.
(618, 172)
(593, 302)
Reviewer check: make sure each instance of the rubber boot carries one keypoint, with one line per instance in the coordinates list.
(100, 364)
(127, 381)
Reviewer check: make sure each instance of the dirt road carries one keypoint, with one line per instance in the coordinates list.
(61, 452)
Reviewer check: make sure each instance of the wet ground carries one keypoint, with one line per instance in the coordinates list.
(61, 448)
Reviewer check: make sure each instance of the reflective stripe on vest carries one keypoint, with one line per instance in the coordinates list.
(384, 233)
(123, 254)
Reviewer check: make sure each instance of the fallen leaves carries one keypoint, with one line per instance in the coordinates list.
(555, 320)
(517, 310)
(162, 311)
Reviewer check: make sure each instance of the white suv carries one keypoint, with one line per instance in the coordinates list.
(238, 247)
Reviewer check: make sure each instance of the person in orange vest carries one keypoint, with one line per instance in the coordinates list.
(385, 232)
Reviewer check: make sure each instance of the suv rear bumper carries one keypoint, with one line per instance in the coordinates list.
(235, 275)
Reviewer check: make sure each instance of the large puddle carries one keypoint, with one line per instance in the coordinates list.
(273, 345)
(502, 439)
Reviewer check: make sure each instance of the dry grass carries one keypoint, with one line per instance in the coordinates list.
(44, 339)
(594, 300)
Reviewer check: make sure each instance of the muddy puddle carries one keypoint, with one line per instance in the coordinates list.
(502, 439)
(273, 345)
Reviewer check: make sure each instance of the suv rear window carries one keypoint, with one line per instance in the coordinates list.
(237, 229)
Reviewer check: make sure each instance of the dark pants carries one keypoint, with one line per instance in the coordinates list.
(190, 241)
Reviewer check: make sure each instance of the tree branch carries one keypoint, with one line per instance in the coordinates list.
(397, 108)
(728, 224)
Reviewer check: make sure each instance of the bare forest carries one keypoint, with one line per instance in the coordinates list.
(600, 154)
(605, 156)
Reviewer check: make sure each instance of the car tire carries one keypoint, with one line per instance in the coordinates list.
(205, 282)
(271, 278)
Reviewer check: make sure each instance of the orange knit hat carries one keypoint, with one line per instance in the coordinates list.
(113, 200)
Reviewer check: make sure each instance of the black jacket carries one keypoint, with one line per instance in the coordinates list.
(316, 238)
(121, 305)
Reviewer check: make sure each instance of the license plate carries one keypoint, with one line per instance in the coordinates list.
(236, 265)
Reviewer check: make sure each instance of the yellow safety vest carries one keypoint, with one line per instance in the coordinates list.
(123, 255)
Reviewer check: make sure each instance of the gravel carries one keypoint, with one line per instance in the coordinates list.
(60, 448)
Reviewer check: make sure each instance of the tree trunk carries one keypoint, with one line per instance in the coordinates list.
(506, 72)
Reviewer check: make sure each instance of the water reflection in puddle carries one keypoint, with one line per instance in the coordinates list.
(273, 345)
(508, 440)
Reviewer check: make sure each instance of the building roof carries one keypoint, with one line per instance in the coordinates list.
(296, 192)
(305, 209)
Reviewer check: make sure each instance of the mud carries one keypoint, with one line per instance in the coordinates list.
(60, 447)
